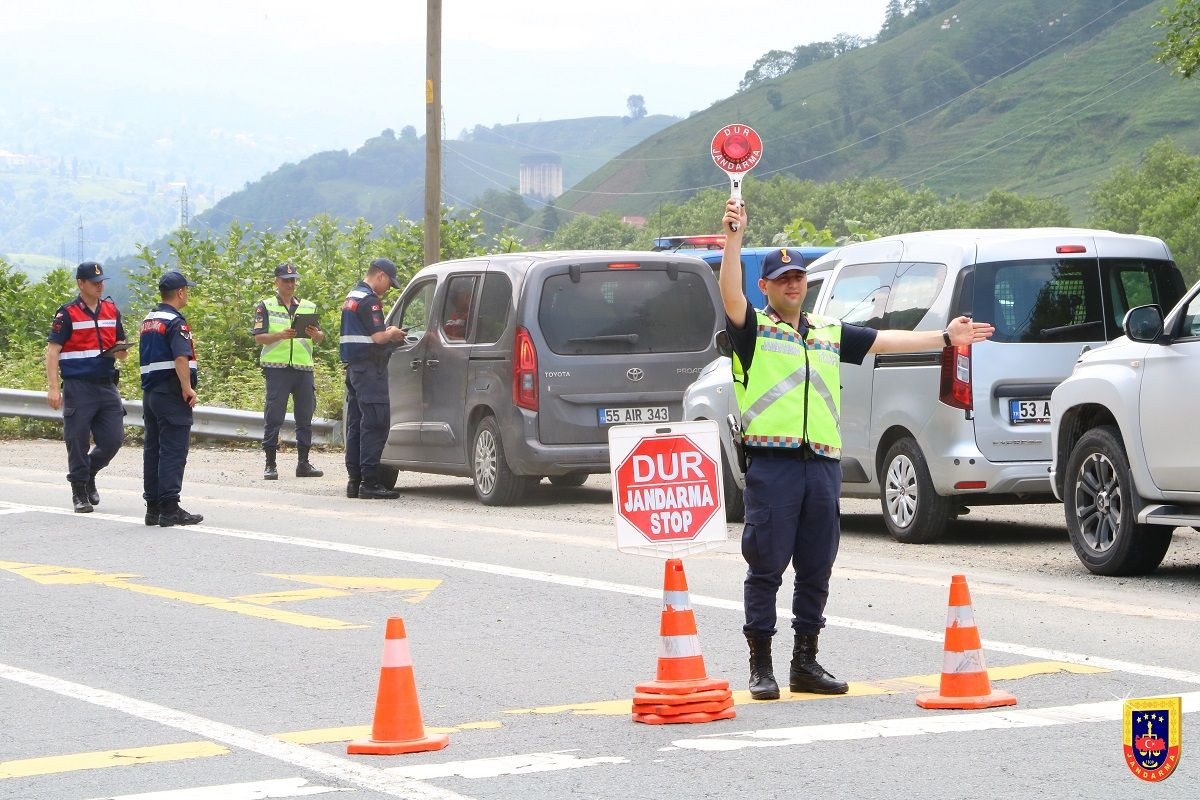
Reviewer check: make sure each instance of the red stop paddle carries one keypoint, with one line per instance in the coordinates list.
(736, 149)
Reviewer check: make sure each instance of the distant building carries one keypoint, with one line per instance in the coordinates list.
(541, 176)
(637, 222)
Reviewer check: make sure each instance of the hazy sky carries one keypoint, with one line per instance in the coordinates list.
(345, 70)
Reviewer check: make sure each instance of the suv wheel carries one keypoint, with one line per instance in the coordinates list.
(495, 483)
(569, 480)
(913, 511)
(1101, 513)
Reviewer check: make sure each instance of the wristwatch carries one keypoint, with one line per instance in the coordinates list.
(946, 337)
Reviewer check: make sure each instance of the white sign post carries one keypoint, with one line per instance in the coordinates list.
(668, 497)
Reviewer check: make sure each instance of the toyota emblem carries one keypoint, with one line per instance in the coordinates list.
(635, 374)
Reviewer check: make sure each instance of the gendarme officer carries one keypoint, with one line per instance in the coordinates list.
(786, 367)
(365, 346)
(168, 358)
(78, 349)
(287, 362)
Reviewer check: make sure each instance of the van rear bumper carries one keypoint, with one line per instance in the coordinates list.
(528, 456)
(1004, 477)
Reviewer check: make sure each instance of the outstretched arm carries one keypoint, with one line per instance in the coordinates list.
(961, 329)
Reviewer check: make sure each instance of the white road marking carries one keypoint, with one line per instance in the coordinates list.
(504, 765)
(4, 511)
(1108, 711)
(329, 766)
(260, 790)
(1037, 653)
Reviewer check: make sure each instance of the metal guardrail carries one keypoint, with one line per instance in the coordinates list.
(207, 421)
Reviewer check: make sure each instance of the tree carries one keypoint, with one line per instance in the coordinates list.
(775, 99)
(637, 106)
(408, 134)
(1181, 45)
(769, 66)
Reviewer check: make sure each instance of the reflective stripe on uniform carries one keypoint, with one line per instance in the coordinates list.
(106, 323)
(347, 339)
(158, 366)
(793, 381)
(357, 293)
(78, 354)
(162, 315)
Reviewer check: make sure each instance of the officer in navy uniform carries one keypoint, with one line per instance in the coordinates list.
(168, 361)
(366, 344)
(287, 362)
(787, 367)
(78, 349)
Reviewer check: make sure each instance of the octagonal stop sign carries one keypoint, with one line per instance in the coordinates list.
(667, 491)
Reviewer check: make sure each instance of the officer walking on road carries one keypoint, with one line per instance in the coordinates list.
(787, 367)
(168, 358)
(79, 349)
(365, 346)
(287, 362)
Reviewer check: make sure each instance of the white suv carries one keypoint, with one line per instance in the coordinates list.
(1126, 447)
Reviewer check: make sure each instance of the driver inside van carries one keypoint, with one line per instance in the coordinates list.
(457, 307)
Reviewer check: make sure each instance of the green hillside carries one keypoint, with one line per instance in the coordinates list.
(1041, 97)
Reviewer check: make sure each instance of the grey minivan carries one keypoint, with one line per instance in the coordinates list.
(516, 365)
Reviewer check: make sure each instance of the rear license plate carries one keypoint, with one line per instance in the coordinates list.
(625, 416)
(1024, 412)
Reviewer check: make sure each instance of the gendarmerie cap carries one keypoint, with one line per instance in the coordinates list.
(782, 260)
(173, 279)
(90, 271)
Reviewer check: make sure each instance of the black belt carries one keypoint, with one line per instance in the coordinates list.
(803, 453)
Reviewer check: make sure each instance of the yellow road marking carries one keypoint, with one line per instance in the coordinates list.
(291, 596)
(50, 765)
(328, 735)
(415, 589)
(52, 575)
(913, 683)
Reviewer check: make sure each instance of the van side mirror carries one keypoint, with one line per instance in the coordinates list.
(724, 343)
(1143, 324)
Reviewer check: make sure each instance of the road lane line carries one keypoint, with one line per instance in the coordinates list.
(4, 511)
(1107, 711)
(259, 790)
(1037, 653)
(102, 759)
(504, 765)
(325, 764)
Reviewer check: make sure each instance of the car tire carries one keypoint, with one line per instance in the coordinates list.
(1101, 512)
(913, 511)
(570, 480)
(495, 482)
(735, 502)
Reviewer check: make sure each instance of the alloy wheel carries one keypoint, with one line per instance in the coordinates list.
(900, 491)
(1098, 502)
(485, 461)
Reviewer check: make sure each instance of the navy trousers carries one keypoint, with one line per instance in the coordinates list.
(792, 515)
(368, 417)
(91, 411)
(284, 382)
(168, 430)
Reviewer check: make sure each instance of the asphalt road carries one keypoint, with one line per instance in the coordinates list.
(235, 659)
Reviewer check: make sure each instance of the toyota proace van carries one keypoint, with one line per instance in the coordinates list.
(516, 365)
(931, 434)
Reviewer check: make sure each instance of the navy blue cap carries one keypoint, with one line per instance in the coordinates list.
(287, 270)
(173, 279)
(89, 271)
(387, 267)
(781, 260)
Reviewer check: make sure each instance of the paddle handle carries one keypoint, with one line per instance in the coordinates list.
(735, 191)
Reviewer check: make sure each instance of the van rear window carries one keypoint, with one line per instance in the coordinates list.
(627, 311)
(1068, 300)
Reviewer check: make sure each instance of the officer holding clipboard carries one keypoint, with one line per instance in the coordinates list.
(287, 327)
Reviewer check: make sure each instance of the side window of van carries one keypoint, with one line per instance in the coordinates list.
(814, 290)
(860, 294)
(913, 292)
(456, 309)
(494, 306)
(414, 315)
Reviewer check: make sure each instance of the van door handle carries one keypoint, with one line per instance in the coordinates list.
(432, 363)
(416, 364)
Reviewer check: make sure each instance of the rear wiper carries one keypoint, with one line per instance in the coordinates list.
(1064, 328)
(629, 338)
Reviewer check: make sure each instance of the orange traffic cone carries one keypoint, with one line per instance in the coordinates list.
(397, 727)
(964, 675)
(682, 692)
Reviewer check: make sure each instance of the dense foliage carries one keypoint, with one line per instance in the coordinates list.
(1181, 45)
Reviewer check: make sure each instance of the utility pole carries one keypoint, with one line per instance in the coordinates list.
(433, 131)
(183, 208)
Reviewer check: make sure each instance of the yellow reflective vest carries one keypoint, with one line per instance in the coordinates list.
(286, 352)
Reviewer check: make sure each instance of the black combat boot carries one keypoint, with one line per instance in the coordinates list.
(93, 496)
(806, 674)
(79, 498)
(352, 486)
(304, 468)
(762, 677)
(151, 512)
(373, 490)
(271, 473)
(170, 514)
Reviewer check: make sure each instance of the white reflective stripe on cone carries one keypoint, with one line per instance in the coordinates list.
(960, 617)
(356, 340)
(959, 663)
(78, 354)
(677, 601)
(679, 646)
(106, 323)
(158, 366)
(396, 654)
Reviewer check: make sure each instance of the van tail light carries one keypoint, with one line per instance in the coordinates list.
(955, 388)
(525, 384)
